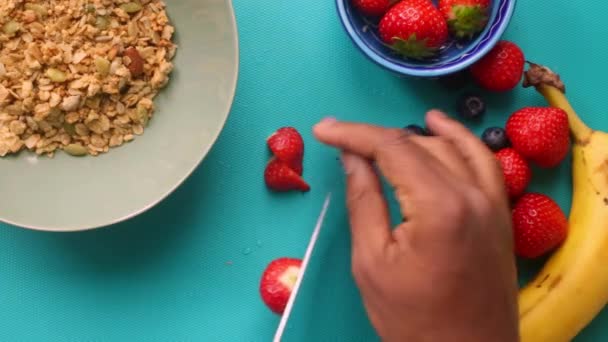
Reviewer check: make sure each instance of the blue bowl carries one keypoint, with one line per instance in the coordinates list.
(454, 57)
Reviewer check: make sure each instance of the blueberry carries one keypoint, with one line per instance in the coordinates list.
(417, 130)
(471, 107)
(495, 138)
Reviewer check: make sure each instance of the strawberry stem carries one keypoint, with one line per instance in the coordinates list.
(468, 20)
(550, 86)
(413, 47)
(556, 98)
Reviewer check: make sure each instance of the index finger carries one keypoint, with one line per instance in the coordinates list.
(361, 139)
(482, 161)
(407, 166)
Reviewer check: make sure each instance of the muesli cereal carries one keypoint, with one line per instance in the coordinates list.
(80, 75)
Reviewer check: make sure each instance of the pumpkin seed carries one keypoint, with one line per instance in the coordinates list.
(11, 28)
(131, 7)
(102, 23)
(142, 114)
(76, 150)
(40, 10)
(54, 114)
(69, 128)
(90, 8)
(56, 75)
(102, 65)
(93, 102)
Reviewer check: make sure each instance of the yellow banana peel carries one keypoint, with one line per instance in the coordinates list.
(572, 287)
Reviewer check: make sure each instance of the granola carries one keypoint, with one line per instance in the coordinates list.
(80, 75)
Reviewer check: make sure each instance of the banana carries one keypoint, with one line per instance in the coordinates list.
(572, 287)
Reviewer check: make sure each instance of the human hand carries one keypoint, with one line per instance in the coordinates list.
(447, 273)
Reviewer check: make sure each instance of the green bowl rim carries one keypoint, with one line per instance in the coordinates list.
(203, 155)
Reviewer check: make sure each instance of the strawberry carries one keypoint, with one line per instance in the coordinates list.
(414, 28)
(465, 17)
(516, 171)
(278, 280)
(540, 134)
(280, 177)
(373, 8)
(287, 145)
(539, 225)
(501, 69)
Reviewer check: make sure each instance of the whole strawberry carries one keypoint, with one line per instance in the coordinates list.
(277, 281)
(517, 173)
(539, 225)
(465, 17)
(373, 8)
(414, 28)
(501, 69)
(287, 145)
(540, 134)
(279, 176)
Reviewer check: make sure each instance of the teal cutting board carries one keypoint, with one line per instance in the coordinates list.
(188, 269)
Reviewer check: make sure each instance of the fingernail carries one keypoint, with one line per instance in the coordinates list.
(329, 119)
(324, 124)
(350, 162)
(438, 113)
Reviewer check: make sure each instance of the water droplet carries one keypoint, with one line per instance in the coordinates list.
(246, 251)
(259, 243)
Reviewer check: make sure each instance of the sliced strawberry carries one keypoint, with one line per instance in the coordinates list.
(287, 145)
(280, 177)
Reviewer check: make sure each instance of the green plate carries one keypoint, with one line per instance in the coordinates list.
(69, 194)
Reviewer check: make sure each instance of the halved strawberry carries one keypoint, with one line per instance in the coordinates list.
(277, 281)
(287, 145)
(279, 176)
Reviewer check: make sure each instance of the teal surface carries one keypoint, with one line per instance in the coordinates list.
(188, 269)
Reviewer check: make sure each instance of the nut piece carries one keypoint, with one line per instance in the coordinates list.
(135, 63)
(70, 103)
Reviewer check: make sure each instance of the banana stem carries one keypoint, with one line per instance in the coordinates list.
(556, 98)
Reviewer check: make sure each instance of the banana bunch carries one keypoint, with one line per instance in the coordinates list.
(572, 287)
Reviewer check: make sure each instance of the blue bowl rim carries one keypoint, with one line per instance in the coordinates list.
(439, 71)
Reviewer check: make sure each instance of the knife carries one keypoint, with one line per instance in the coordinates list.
(307, 255)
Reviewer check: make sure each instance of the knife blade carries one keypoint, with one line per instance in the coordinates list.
(294, 292)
